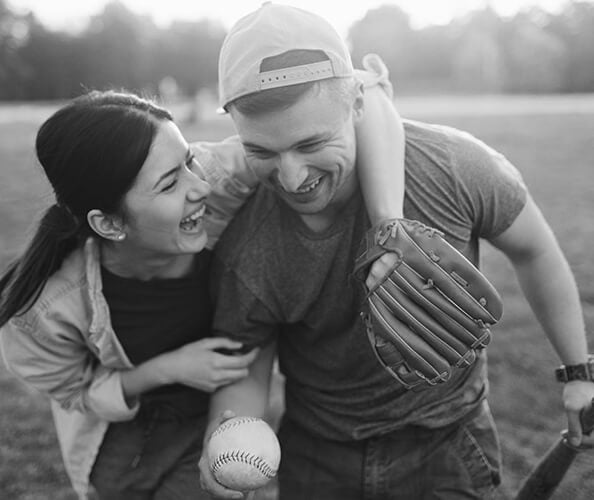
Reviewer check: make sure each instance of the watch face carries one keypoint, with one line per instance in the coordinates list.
(577, 372)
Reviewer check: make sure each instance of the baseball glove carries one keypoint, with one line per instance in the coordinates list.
(431, 311)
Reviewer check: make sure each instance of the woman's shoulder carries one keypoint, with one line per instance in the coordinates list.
(63, 296)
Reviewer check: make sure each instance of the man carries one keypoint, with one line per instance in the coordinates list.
(281, 278)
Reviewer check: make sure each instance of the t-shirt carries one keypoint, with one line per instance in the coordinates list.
(273, 278)
(156, 316)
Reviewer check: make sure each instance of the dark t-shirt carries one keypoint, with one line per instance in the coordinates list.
(160, 315)
(275, 278)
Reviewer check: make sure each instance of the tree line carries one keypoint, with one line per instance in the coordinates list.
(533, 51)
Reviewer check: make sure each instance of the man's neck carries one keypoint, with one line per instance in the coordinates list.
(318, 223)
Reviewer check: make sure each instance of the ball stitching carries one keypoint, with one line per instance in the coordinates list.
(229, 424)
(247, 458)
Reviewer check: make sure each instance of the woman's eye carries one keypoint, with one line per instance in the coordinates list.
(169, 186)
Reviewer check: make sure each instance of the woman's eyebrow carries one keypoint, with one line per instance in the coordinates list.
(174, 169)
(165, 175)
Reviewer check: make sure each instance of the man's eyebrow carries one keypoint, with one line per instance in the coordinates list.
(315, 137)
(252, 145)
(174, 169)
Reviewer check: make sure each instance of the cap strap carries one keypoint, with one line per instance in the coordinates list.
(296, 74)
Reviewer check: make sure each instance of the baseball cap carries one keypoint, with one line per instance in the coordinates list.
(272, 30)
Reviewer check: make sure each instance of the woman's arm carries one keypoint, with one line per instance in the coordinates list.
(380, 145)
(198, 364)
(53, 358)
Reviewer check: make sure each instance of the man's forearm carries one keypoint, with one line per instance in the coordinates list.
(550, 288)
(248, 396)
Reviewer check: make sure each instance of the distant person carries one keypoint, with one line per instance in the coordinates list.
(108, 312)
(350, 430)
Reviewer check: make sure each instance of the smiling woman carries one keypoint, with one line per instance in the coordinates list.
(107, 310)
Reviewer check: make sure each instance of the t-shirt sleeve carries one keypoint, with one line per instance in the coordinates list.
(231, 179)
(491, 190)
(239, 313)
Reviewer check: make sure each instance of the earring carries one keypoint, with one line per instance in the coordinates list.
(120, 236)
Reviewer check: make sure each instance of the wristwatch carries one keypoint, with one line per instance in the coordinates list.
(582, 371)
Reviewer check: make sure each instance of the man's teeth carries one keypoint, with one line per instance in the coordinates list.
(310, 187)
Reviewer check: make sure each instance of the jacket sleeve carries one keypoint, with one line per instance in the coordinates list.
(231, 179)
(49, 354)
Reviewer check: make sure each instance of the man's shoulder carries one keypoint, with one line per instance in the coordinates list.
(455, 139)
(444, 145)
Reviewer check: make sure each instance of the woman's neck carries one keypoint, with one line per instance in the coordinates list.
(123, 262)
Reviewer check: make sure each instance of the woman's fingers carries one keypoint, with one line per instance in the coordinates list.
(380, 268)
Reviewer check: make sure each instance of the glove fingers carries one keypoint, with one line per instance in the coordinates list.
(430, 256)
(440, 339)
(467, 330)
(394, 363)
(417, 353)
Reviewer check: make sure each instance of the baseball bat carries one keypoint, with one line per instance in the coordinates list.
(546, 476)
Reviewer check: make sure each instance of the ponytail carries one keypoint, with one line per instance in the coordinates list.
(57, 235)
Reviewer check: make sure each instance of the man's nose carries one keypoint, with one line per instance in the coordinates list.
(292, 172)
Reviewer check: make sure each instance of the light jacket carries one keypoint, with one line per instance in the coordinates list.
(65, 346)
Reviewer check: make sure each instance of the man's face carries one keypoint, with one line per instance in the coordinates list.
(306, 153)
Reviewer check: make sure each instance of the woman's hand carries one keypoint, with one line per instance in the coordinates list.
(200, 364)
(197, 364)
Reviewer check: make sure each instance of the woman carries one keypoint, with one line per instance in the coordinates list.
(107, 311)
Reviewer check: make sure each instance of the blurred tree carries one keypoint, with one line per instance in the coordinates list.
(385, 31)
(478, 58)
(189, 52)
(14, 32)
(575, 26)
(535, 60)
(117, 49)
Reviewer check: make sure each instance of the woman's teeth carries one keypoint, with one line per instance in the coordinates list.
(191, 221)
(309, 187)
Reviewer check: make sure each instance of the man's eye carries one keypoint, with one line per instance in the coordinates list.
(191, 163)
(260, 153)
(308, 147)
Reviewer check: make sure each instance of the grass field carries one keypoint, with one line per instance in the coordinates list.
(551, 141)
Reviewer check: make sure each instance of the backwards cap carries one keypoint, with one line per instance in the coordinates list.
(270, 31)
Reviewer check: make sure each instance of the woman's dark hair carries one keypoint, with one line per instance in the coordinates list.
(91, 151)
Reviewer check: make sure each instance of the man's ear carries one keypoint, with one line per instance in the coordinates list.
(107, 226)
(358, 101)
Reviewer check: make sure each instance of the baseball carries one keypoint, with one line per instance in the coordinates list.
(244, 453)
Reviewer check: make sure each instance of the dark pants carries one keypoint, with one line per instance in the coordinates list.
(453, 463)
(155, 456)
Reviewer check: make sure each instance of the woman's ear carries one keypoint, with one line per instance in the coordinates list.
(109, 227)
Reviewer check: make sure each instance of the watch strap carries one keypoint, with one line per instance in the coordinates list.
(582, 371)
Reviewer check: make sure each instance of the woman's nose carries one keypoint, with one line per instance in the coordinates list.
(198, 187)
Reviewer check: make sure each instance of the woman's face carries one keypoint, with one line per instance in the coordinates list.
(164, 209)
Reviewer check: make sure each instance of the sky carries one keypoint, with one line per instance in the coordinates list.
(72, 14)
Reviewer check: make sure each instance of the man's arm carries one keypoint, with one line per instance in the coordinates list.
(549, 287)
(248, 397)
